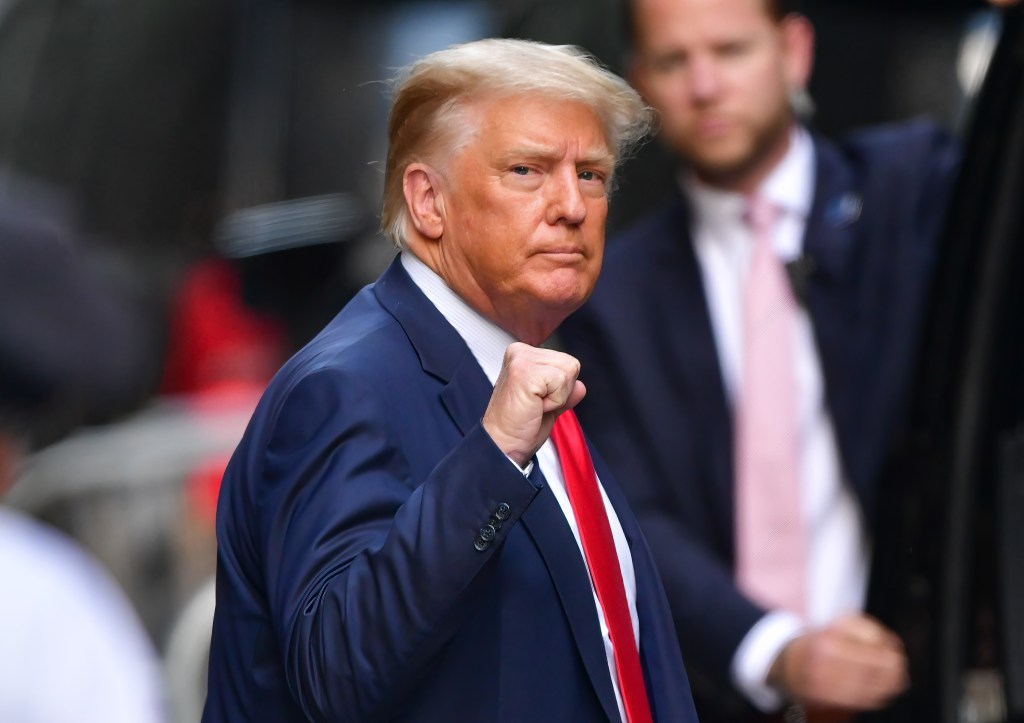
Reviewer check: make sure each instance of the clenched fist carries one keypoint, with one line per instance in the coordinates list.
(855, 663)
(535, 386)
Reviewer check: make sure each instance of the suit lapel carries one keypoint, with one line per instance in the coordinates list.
(686, 323)
(830, 236)
(546, 525)
(835, 213)
(444, 354)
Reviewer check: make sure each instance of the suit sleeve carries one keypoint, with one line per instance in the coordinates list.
(369, 571)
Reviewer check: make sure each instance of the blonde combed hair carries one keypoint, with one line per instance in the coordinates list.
(428, 119)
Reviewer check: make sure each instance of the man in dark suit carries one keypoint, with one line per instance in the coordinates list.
(399, 539)
(674, 349)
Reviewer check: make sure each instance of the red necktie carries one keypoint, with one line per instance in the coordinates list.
(771, 554)
(599, 551)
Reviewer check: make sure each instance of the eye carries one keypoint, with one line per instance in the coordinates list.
(734, 49)
(666, 64)
(592, 177)
(521, 170)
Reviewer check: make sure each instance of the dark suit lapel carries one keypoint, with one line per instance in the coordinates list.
(835, 213)
(830, 242)
(444, 354)
(441, 350)
(686, 324)
(547, 526)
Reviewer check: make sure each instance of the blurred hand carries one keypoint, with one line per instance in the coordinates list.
(852, 664)
(535, 386)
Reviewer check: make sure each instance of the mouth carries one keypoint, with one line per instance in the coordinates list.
(714, 126)
(563, 253)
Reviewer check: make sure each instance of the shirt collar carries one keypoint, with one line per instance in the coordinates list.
(790, 185)
(485, 339)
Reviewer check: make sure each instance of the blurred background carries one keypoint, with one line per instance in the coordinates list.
(219, 164)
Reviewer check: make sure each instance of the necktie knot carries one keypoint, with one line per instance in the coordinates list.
(761, 215)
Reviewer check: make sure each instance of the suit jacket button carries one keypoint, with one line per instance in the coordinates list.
(481, 544)
(503, 511)
(487, 533)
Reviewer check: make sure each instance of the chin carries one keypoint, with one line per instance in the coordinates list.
(721, 155)
(724, 172)
(568, 288)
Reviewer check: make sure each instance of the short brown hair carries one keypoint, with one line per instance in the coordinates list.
(777, 9)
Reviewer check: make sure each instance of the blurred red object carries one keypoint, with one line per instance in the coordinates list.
(215, 339)
(202, 487)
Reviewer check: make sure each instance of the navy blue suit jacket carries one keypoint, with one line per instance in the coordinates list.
(349, 583)
(657, 407)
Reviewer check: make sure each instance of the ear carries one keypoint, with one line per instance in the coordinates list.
(421, 186)
(798, 49)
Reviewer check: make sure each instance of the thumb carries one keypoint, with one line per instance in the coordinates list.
(579, 390)
(865, 629)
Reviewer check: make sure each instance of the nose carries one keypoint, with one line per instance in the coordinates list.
(704, 80)
(565, 203)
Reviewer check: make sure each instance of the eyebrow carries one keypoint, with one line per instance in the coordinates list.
(603, 159)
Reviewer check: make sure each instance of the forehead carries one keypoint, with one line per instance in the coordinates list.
(658, 22)
(540, 121)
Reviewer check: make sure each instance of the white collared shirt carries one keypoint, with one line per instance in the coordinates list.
(838, 555)
(488, 342)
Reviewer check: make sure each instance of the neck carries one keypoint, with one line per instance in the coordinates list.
(529, 323)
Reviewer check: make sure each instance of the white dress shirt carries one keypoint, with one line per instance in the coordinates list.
(838, 547)
(71, 645)
(488, 342)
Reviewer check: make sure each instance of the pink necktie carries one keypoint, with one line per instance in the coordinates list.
(599, 551)
(771, 555)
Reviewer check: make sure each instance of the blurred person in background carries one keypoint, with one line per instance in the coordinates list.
(72, 646)
(399, 538)
(747, 351)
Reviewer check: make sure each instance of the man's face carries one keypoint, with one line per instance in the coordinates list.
(719, 74)
(524, 207)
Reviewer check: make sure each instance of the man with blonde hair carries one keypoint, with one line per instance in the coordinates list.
(413, 527)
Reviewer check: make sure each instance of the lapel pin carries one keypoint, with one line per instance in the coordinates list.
(844, 210)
